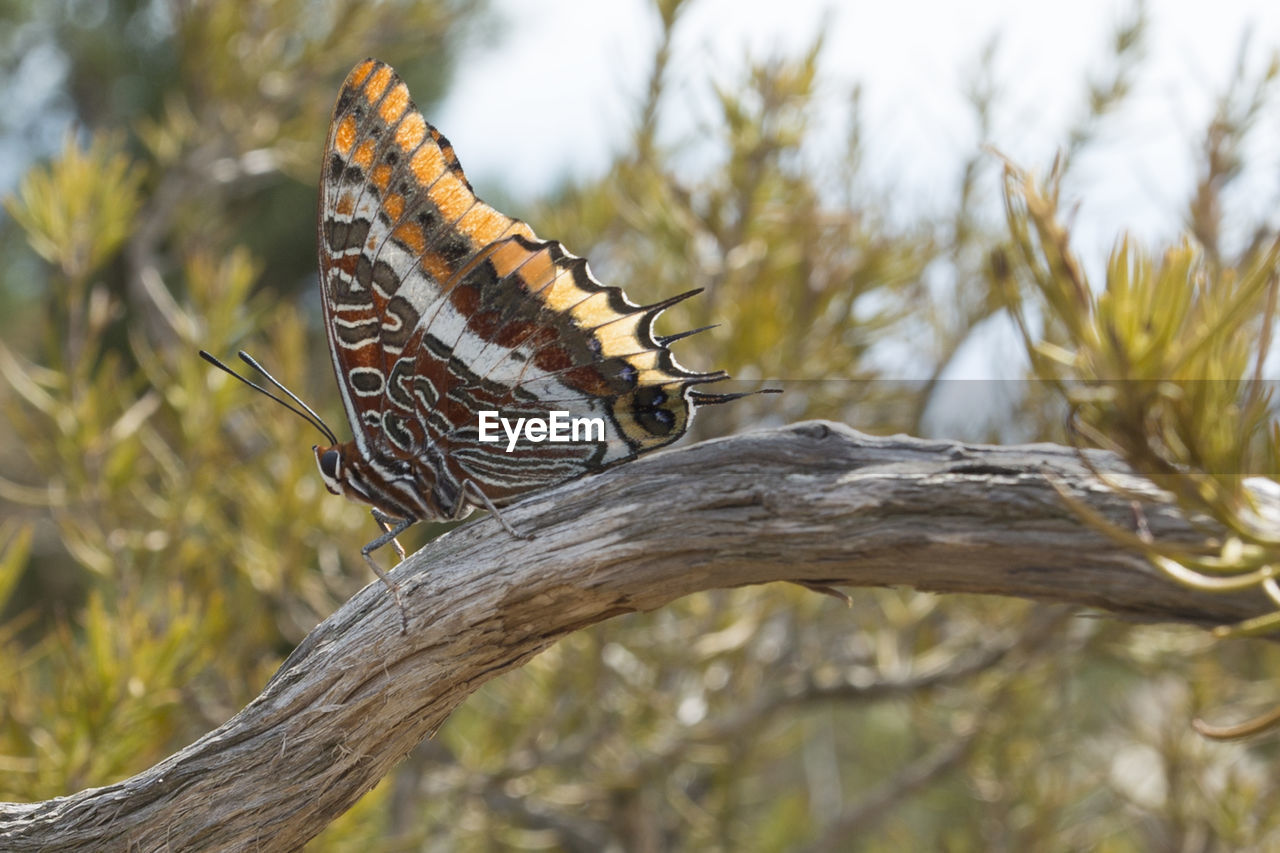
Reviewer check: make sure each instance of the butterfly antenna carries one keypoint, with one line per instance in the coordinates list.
(305, 412)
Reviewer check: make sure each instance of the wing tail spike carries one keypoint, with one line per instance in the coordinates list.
(658, 307)
(708, 398)
(667, 340)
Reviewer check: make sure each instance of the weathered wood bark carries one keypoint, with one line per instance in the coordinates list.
(813, 502)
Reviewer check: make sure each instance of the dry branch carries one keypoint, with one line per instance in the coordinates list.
(815, 502)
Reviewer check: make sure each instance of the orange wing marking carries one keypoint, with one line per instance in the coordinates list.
(410, 233)
(363, 156)
(361, 73)
(394, 206)
(394, 104)
(377, 84)
(482, 224)
(451, 196)
(411, 132)
(345, 136)
(427, 165)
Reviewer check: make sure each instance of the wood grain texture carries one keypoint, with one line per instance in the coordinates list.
(813, 502)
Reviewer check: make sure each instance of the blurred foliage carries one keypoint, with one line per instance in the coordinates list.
(1166, 363)
(1165, 366)
(164, 539)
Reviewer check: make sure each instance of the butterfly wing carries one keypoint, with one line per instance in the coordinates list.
(439, 307)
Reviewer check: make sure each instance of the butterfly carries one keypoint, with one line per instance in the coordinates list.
(447, 319)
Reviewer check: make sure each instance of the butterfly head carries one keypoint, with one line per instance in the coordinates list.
(345, 472)
(329, 460)
(340, 477)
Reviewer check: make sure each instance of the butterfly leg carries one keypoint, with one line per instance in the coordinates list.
(386, 522)
(391, 528)
(493, 510)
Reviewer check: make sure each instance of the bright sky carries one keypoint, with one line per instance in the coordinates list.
(568, 72)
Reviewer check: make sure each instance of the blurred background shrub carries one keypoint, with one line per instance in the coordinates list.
(165, 541)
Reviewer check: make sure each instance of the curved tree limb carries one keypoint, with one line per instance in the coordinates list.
(815, 503)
